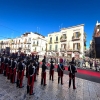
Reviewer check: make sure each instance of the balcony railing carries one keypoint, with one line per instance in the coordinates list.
(55, 41)
(62, 49)
(50, 42)
(77, 50)
(75, 38)
(29, 42)
(63, 38)
(35, 45)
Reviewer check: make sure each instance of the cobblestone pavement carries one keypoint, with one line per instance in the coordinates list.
(86, 90)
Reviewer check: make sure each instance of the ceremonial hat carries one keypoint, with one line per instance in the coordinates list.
(61, 60)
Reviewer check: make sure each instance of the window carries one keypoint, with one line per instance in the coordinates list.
(29, 40)
(77, 33)
(50, 48)
(50, 39)
(33, 42)
(37, 43)
(56, 38)
(64, 36)
(56, 47)
(28, 46)
(76, 46)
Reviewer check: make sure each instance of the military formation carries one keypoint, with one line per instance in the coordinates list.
(13, 67)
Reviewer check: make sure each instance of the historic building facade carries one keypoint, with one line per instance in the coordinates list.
(95, 43)
(68, 42)
(27, 43)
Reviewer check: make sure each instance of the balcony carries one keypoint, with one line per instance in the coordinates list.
(50, 42)
(75, 38)
(69, 50)
(29, 42)
(63, 38)
(35, 45)
(49, 50)
(55, 41)
(76, 50)
(63, 50)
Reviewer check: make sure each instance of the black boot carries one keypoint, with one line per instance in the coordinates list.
(17, 83)
(58, 79)
(27, 89)
(50, 77)
(41, 81)
(69, 83)
(61, 80)
(74, 83)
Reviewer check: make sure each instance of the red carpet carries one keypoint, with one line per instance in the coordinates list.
(82, 71)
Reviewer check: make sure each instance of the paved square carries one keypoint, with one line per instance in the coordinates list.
(86, 90)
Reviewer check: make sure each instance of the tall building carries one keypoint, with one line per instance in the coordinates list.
(68, 42)
(95, 45)
(28, 43)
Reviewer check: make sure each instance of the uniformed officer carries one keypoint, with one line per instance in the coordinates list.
(20, 73)
(51, 70)
(5, 65)
(43, 74)
(30, 84)
(27, 66)
(13, 70)
(72, 70)
(60, 70)
(8, 67)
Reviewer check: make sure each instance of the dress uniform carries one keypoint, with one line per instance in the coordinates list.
(5, 66)
(35, 70)
(13, 70)
(27, 66)
(72, 70)
(20, 74)
(43, 74)
(51, 70)
(37, 64)
(60, 70)
(30, 84)
(8, 68)
(2, 65)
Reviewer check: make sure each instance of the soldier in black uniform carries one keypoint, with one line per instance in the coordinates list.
(37, 64)
(2, 64)
(35, 70)
(20, 73)
(43, 74)
(51, 70)
(5, 65)
(13, 70)
(60, 70)
(27, 66)
(72, 70)
(9, 68)
(30, 84)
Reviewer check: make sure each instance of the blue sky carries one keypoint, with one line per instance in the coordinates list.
(20, 16)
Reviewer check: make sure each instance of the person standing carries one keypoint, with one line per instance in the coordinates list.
(27, 66)
(30, 83)
(72, 70)
(20, 74)
(13, 70)
(5, 65)
(60, 70)
(37, 64)
(51, 70)
(43, 74)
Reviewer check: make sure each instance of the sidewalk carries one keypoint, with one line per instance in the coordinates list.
(86, 90)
